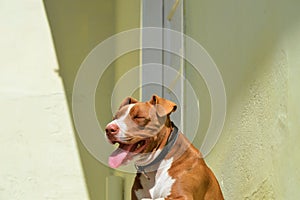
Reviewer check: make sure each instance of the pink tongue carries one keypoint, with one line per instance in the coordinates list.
(118, 157)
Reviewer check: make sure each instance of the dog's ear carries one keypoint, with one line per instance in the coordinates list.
(127, 101)
(163, 106)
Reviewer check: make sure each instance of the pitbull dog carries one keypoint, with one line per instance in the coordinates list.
(168, 165)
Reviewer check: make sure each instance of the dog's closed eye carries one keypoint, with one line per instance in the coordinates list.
(138, 117)
(141, 120)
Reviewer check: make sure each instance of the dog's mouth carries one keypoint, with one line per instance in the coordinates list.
(125, 152)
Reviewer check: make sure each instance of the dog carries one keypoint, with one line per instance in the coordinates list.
(168, 165)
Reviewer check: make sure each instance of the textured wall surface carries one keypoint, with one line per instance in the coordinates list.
(255, 136)
(39, 157)
(256, 47)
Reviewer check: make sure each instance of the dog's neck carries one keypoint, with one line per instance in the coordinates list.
(167, 141)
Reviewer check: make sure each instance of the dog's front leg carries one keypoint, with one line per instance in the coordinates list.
(153, 199)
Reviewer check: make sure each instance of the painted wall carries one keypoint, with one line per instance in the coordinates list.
(256, 47)
(77, 27)
(39, 157)
(254, 43)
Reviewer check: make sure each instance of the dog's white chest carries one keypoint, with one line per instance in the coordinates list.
(163, 183)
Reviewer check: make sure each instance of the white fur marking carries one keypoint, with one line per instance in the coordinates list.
(163, 182)
(121, 123)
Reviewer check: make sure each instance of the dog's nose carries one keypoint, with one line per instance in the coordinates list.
(112, 129)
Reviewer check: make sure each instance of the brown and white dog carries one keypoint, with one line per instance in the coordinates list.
(168, 165)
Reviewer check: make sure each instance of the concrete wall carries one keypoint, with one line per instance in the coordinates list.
(255, 45)
(77, 27)
(39, 157)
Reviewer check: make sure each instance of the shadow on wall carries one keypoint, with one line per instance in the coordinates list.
(77, 26)
(73, 29)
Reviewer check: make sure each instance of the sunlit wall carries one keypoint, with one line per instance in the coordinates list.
(255, 46)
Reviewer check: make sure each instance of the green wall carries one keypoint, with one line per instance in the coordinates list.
(77, 27)
(255, 44)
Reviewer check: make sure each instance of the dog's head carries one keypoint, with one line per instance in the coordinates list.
(138, 128)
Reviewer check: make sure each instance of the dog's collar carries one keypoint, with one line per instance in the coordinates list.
(171, 141)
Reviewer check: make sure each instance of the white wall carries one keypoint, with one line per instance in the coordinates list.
(39, 158)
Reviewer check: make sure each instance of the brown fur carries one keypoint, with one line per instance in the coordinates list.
(193, 179)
